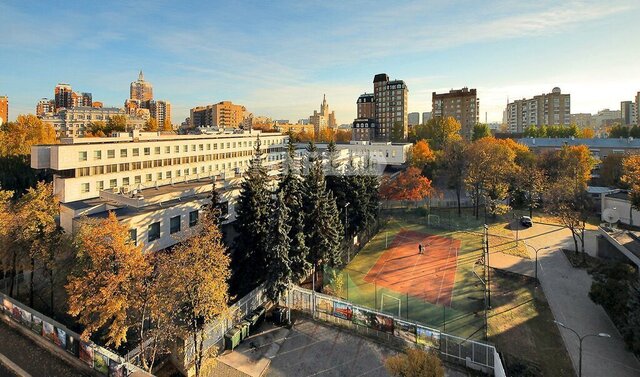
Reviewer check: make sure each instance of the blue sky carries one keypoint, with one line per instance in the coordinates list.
(279, 57)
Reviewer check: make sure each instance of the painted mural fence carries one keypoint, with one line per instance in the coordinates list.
(473, 354)
(100, 359)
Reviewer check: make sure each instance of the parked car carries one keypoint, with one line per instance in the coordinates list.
(526, 221)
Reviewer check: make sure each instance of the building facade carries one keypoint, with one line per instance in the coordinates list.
(426, 116)
(414, 119)
(363, 129)
(638, 108)
(63, 96)
(155, 184)
(75, 121)
(606, 118)
(141, 90)
(223, 114)
(4, 109)
(462, 104)
(629, 113)
(323, 119)
(161, 112)
(582, 120)
(45, 106)
(366, 106)
(549, 109)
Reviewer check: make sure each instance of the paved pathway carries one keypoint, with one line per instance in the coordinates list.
(30, 357)
(567, 290)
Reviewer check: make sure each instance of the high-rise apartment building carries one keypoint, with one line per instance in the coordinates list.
(462, 104)
(629, 113)
(550, 109)
(4, 109)
(385, 110)
(323, 119)
(155, 184)
(606, 118)
(63, 96)
(426, 116)
(161, 112)
(391, 103)
(414, 119)
(223, 114)
(638, 108)
(582, 120)
(141, 90)
(45, 106)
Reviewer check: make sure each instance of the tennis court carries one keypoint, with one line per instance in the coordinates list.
(437, 288)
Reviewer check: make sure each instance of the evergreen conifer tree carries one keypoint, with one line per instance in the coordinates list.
(252, 224)
(322, 226)
(278, 265)
(291, 189)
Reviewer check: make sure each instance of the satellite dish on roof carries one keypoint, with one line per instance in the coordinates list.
(610, 215)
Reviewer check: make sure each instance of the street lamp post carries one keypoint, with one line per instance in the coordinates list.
(346, 230)
(536, 251)
(581, 339)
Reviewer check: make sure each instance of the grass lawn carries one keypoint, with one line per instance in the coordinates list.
(521, 326)
(463, 318)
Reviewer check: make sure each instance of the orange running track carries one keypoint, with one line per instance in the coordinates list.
(429, 276)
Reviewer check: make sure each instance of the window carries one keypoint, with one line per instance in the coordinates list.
(159, 176)
(123, 153)
(167, 150)
(193, 147)
(84, 188)
(148, 178)
(147, 151)
(137, 179)
(125, 181)
(154, 232)
(168, 174)
(193, 218)
(97, 155)
(111, 153)
(156, 150)
(100, 185)
(136, 152)
(113, 183)
(176, 149)
(133, 235)
(201, 147)
(174, 225)
(185, 148)
(82, 156)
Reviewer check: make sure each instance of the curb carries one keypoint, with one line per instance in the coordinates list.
(13, 366)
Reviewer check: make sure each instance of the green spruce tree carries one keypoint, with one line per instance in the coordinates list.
(291, 189)
(252, 224)
(322, 226)
(278, 265)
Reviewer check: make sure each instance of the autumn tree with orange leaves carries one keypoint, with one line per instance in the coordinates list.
(106, 284)
(409, 185)
(420, 155)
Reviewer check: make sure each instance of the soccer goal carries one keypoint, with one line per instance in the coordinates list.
(389, 304)
(433, 220)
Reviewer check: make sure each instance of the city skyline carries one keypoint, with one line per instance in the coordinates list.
(506, 50)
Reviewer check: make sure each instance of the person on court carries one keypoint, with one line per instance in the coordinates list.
(420, 248)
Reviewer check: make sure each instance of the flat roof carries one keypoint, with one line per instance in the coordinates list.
(591, 143)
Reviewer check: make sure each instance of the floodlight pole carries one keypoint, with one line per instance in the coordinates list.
(581, 339)
(346, 231)
(487, 265)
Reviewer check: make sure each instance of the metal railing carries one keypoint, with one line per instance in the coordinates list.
(473, 354)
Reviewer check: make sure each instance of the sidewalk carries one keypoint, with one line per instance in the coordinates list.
(567, 290)
(30, 357)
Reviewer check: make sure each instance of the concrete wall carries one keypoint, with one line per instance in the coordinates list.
(622, 209)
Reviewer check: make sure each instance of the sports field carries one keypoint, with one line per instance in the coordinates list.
(437, 288)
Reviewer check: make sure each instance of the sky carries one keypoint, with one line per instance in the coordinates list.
(278, 58)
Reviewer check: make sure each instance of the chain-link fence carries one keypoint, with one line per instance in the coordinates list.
(385, 326)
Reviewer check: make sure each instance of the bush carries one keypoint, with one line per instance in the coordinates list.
(415, 362)
(616, 287)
